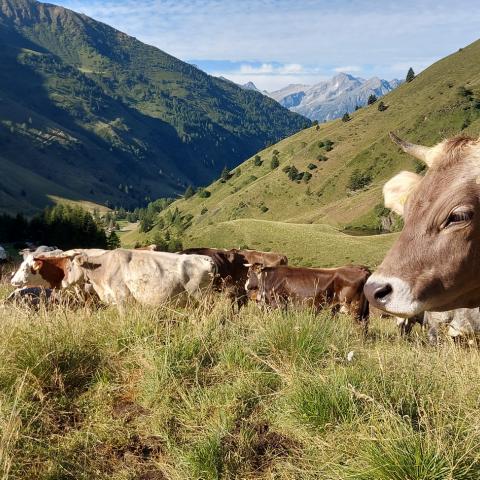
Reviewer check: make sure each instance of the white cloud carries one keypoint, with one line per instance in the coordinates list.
(348, 69)
(270, 68)
(272, 82)
(356, 33)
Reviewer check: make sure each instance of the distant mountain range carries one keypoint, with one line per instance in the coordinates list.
(340, 185)
(90, 113)
(329, 99)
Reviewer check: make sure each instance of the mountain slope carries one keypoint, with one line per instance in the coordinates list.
(90, 113)
(332, 98)
(345, 189)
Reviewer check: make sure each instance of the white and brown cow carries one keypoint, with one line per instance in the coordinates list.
(150, 278)
(434, 264)
(34, 271)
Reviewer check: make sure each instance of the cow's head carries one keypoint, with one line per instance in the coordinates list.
(254, 282)
(28, 273)
(434, 263)
(75, 272)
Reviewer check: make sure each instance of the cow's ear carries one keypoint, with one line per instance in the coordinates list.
(37, 265)
(80, 259)
(397, 190)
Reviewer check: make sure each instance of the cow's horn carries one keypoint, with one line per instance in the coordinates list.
(417, 151)
(248, 265)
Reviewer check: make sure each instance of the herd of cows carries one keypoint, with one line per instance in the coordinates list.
(116, 277)
(429, 276)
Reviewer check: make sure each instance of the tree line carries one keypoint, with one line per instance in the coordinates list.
(63, 226)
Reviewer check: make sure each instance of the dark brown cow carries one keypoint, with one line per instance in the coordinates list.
(232, 268)
(434, 264)
(341, 288)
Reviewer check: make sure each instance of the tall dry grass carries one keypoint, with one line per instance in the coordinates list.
(200, 393)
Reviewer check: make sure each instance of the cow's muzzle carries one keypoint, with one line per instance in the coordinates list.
(393, 295)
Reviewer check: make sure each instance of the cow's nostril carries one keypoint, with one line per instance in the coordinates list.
(382, 292)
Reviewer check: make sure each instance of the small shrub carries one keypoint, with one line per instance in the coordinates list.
(329, 145)
(311, 166)
(371, 99)
(382, 107)
(274, 163)
(307, 176)
(359, 180)
(465, 124)
(321, 157)
(204, 193)
(257, 161)
(286, 168)
(346, 117)
(462, 91)
(204, 211)
(292, 173)
(263, 209)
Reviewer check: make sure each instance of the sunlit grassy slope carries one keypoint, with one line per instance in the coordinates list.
(89, 113)
(307, 245)
(198, 394)
(429, 108)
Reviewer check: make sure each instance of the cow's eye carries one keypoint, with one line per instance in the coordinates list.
(458, 217)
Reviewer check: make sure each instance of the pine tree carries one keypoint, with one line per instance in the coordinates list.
(274, 163)
(346, 117)
(225, 175)
(113, 241)
(371, 99)
(410, 75)
(292, 173)
(189, 192)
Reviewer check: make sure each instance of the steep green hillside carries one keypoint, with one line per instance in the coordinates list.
(89, 113)
(346, 180)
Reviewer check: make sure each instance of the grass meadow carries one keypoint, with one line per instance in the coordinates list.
(203, 394)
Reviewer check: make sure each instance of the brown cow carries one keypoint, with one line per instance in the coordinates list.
(267, 259)
(232, 268)
(434, 264)
(341, 288)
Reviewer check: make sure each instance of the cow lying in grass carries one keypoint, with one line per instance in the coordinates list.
(340, 288)
(34, 271)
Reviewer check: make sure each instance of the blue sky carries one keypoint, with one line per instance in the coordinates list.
(277, 42)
